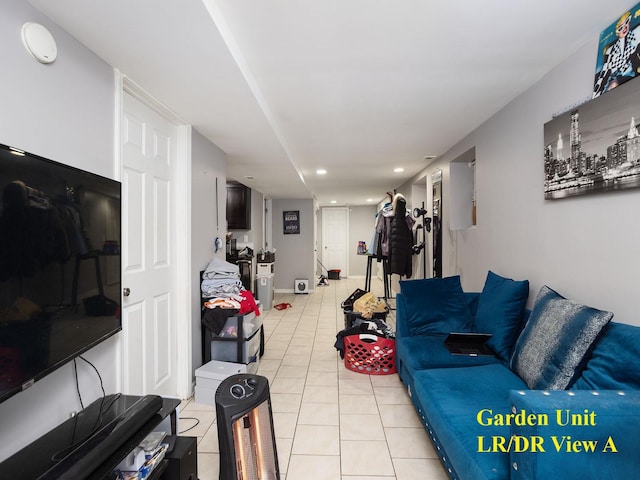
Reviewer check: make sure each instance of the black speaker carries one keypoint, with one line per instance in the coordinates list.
(183, 459)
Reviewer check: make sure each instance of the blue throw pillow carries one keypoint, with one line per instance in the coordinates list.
(615, 352)
(436, 305)
(500, 310)
(550, 351)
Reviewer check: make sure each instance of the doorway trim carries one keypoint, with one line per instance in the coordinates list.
(422, 261)
(184, 284)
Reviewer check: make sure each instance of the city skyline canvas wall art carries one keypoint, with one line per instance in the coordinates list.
(595, 147)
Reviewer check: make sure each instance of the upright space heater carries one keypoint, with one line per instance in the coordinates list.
(301, 285)
(245, 429)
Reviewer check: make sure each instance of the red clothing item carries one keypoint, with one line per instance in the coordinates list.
(248, 303)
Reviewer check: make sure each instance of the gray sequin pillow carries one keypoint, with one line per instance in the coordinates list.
(550, 352)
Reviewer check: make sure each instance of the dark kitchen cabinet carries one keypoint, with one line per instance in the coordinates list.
(238, 206)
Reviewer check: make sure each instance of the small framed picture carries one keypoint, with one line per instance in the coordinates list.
(291, 222)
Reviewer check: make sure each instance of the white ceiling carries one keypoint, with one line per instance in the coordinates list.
(357, 87)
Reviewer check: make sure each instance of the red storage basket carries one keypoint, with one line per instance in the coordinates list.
(370, 354)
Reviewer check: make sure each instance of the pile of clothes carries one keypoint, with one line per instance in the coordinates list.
(364, 313)
(374, 326)
(368, 304)
(221, 279)
(225, 295)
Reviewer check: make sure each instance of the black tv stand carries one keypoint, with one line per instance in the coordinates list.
(91, 444)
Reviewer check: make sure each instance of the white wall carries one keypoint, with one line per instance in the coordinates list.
(209, 164)
(257, 219)
(583, 247)
(63, 111)
(362, 222)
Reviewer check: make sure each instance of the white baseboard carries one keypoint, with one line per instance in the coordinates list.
(290, 290)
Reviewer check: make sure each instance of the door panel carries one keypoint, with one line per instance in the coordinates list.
(132, 324)
(163, 367)
(133, 232)
(162, 221)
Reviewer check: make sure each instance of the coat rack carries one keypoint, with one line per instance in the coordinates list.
(425, 227)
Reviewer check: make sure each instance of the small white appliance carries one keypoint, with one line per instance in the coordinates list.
(301, 285)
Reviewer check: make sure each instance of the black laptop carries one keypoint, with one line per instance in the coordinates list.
(470, 344)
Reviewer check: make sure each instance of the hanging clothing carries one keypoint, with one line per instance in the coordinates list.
(400, 239)
(383, 229)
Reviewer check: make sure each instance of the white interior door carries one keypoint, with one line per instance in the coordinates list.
(334, 239)
(149, 151)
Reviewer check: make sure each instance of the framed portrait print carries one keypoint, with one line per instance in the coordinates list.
(291, 222)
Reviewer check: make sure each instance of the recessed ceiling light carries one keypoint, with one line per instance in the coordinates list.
(321, 171)
(429, 157)
(369, 199)
(398, 170)
(334, 201)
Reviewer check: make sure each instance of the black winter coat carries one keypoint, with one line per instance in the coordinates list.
(401, 240)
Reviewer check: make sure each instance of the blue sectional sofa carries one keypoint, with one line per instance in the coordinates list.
(560, 399)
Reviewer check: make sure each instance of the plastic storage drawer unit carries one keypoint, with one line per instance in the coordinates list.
(236, 341)
(236, 350)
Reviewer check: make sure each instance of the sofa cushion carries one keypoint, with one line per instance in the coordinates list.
(500, 310)
(550, 351)
(435, 305)
(608, 368)
(612, 422)
(421, 352)
(452, 399)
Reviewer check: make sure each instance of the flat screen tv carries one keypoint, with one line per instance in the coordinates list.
(60, 277)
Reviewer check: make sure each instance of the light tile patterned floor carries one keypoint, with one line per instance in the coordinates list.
(329, 423)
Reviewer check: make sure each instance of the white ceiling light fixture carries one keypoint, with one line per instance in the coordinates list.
(398, 170)
(321, 171)
(39, 42)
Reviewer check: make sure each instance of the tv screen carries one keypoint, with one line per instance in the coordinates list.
(59, 265)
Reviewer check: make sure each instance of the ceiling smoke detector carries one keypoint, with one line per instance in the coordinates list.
(39, 42)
